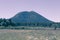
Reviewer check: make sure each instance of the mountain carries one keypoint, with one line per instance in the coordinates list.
(29, 17)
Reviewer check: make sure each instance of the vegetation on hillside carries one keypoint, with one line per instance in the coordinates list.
(8, 23)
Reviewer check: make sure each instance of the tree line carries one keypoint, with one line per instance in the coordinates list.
(8, 22)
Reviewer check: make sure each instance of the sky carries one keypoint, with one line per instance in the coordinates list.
(50, 9)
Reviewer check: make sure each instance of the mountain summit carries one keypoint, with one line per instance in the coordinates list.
(29, 17)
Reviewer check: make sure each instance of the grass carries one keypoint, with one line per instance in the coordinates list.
(25, 27)
(46, 34)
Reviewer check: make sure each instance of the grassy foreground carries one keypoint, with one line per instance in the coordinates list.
(29, 34)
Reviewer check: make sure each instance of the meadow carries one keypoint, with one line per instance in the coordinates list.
(46, 34)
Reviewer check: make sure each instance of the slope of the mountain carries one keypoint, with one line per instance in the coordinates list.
(29, 17)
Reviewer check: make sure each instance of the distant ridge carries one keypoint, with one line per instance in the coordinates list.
(29, 17)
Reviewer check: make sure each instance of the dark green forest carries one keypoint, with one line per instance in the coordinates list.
(9, 23)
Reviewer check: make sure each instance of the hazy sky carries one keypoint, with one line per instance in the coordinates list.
(47, 8)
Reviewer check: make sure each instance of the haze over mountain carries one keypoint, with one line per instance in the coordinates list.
(29, 17)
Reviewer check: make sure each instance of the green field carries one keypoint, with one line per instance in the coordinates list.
(29, 34)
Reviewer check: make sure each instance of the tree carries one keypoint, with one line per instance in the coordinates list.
(4, 22)
(55, 26)
(1, 20)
